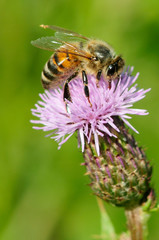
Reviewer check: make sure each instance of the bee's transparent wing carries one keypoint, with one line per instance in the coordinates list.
(53, 43)
(68, 38)
(65, 34)
(47, 43)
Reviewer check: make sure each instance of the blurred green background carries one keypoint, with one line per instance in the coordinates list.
(43, 191)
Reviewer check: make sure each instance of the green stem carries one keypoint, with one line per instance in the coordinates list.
(137, 223)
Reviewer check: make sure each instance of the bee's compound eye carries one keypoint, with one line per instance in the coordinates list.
(111, 70)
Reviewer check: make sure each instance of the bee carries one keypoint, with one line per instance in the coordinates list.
(75, 54)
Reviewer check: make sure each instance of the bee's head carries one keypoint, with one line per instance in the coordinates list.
(115, 67)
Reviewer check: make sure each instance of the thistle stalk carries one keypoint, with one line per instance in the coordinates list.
(135, 223)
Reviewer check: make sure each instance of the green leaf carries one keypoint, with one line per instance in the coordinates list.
(107, 228)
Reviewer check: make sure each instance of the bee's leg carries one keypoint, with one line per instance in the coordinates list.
(118, 78)
(86, 89)
(109, 83)
(66, 94)
(99, 73)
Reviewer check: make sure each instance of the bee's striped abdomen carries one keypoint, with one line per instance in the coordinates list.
(49, 74)
(52, 67)
(58, 68)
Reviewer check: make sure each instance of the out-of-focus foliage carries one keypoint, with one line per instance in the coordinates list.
(44, 195)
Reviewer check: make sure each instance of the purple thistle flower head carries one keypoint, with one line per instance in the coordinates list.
(95, 120)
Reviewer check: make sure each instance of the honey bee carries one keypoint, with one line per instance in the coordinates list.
(76, 54)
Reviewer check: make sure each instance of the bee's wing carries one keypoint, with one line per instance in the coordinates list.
(65, 34)
(67, 37)
(47, 43)
(53, 44)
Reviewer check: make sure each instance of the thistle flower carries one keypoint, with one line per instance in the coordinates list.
(119, 170)
(89, 121)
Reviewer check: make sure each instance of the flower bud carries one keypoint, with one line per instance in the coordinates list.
(121, 174)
